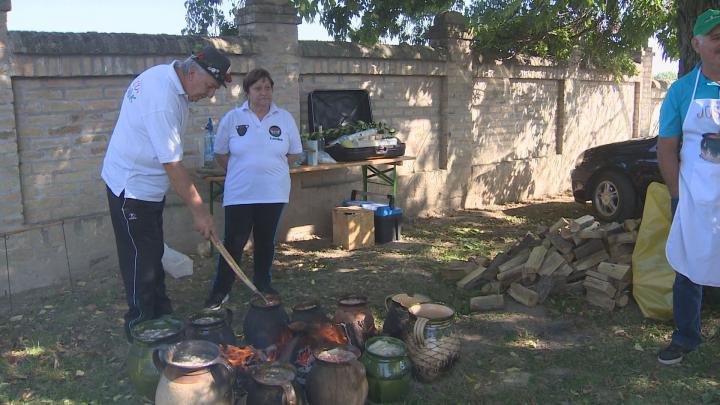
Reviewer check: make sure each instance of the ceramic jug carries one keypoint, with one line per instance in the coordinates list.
(432, 342)
(148, 336)
(355, 316)
(193, 373)
(397, 316)
(337, 377)
(273, 385)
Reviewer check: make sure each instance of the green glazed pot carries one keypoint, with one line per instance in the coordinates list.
(388, 369)
(147, 336)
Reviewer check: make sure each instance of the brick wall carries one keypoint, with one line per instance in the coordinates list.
(482, 133)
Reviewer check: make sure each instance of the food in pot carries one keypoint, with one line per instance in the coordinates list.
(206, 320)
(386, 349)
(336, 355)
(150, 335)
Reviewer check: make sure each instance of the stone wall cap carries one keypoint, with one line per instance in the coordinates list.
(98, 43)
(352, 50)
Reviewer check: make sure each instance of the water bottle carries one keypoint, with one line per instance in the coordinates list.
(209, 155)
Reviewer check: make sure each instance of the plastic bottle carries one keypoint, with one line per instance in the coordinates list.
(209, 143)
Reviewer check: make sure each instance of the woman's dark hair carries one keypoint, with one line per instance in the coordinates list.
(255, 75)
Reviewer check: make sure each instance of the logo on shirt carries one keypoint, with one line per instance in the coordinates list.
(241, 129)
(275, 131)
(133, 91)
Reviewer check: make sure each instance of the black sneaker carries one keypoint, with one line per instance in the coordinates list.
(672, 354)
(216, 301)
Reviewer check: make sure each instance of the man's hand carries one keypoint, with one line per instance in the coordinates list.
(183, 185)
(667, 154)
(204, 223)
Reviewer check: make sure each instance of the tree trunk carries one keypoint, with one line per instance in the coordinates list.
(688, 10)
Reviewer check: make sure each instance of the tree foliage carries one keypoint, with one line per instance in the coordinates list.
(597, 33)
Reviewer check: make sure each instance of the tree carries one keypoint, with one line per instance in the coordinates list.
(677, 33)
(206, 17)
(600, 33)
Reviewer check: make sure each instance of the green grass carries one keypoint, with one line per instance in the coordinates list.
(69, 347)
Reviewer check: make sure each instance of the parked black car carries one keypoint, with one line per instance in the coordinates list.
(615, 177)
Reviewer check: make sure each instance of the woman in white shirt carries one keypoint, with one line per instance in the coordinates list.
(256, 144)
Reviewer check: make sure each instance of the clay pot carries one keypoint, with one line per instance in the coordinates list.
(273, 385)
(337, 377)
(265, 324)
(398, 317)
(432, 342)
(308, 312)
(356, 318)
(148, 336)
(213, 326)
(193, 372)
(388, 369)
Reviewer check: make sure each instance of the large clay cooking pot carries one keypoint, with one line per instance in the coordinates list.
(337, 377)
(357, 319)
(193, 373)
(398, 317)
(308, 312)
(266, 323)
(148, 336)
(432, 343)
(273, 385)
(213, 326)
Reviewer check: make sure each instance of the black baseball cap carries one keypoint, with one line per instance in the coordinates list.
(215, 63)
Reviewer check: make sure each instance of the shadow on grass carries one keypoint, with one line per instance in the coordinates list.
(68, 347)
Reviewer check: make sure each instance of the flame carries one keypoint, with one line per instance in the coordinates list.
(331, 333)
(304, 357)
(272, 353)
(239, 357)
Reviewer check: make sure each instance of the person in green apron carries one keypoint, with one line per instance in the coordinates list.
(690, 122)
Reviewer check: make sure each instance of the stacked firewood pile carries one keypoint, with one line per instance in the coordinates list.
(577, 255)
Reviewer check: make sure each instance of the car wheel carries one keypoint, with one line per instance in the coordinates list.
(613, 197)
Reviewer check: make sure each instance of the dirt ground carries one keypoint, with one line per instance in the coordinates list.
(67, 346)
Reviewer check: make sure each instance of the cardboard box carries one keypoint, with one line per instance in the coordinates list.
(353, 227)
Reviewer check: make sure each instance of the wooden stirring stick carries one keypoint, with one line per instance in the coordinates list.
(234, 266)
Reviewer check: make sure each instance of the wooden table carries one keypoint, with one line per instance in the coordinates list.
(371, 174)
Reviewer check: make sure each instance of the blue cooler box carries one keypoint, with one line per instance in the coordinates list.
(388, 218)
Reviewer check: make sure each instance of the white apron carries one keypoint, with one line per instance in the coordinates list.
(693, 246)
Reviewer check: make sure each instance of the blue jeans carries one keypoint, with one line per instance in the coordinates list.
(687, 303)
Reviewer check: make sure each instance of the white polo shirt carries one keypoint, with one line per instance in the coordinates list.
(258, 169)
(148, 133)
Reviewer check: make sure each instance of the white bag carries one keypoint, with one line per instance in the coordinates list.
(176, 264)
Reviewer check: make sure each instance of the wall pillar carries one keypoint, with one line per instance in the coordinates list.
(272, 27)
(11, 213)
(645, 94)
(457, 138)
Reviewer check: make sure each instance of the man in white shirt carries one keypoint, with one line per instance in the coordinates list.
(143, 159)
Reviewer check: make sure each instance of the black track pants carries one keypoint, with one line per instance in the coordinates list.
(138, 227)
